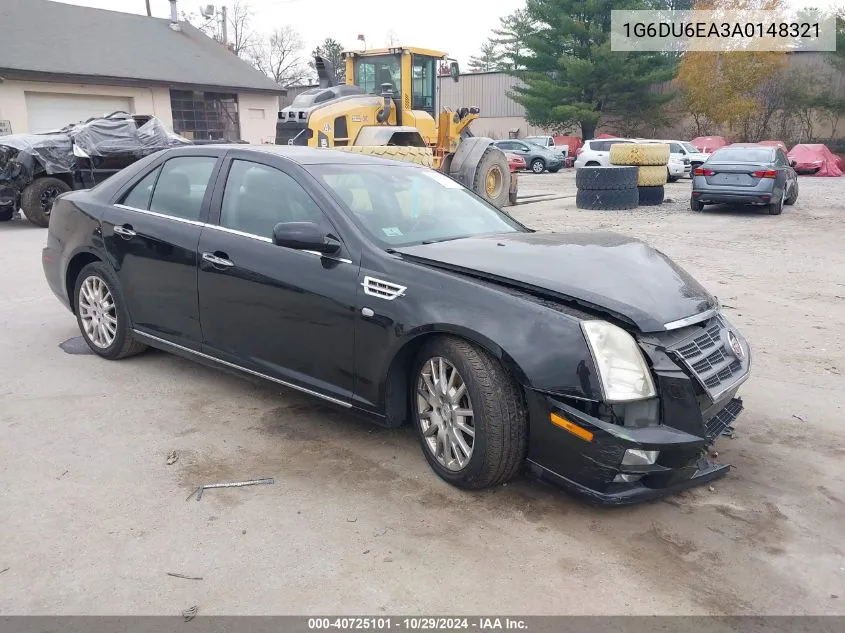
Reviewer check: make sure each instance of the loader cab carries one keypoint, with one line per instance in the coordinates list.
(410, 72)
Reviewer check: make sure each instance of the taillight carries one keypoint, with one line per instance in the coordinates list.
(700, 171)
(765, 173)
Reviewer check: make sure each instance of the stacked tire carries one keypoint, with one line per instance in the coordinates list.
(606, 188)
(651, 160)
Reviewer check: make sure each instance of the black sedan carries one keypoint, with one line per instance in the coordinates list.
(390, 289)
(745, 174)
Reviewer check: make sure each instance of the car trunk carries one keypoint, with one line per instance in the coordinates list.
(734, 174)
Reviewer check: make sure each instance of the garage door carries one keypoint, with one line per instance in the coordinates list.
(49, 111)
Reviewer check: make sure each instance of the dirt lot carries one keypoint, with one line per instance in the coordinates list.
(93, 518)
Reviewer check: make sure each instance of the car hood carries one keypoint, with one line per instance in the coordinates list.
(604, 272)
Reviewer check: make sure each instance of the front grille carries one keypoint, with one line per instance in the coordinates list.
(723, 420)
(292, 133)
(708, 355)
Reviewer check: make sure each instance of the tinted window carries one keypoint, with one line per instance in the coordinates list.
(781, 158)
(399, 205)
(690, 148)
(520, 146)
(741, 155)
(139, 196)
(600, 146)
(505, 145)
(676, 148)
(181, 186)
(258, 197)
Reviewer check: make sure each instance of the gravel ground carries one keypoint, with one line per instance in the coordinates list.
(93, 516)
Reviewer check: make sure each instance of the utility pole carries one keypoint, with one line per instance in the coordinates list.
(149, 12)
(224, 22)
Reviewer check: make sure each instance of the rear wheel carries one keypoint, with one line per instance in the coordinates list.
(538, 165)
(37, 199)
(101, 313)
(468, 413)
(696, 205)
(776, 208)
(6, 214)
(792, 196)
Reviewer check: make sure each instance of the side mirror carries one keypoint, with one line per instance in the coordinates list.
(454, 71)
(793, 163)
(304, 236)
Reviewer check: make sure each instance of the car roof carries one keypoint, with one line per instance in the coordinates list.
(301, 155)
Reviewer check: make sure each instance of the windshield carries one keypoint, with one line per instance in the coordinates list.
(400, 206)
(741, 155)
(691, 148)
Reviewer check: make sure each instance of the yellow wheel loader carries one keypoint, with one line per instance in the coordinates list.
(388, 107)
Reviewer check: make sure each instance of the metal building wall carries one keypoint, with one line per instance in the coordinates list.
(487, 91)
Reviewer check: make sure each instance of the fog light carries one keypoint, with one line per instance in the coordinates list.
(623, 478)
(636, 457)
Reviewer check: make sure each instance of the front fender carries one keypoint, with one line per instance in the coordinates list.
(540, 343)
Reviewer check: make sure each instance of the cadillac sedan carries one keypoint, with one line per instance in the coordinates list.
(389, 289)
(745, 174)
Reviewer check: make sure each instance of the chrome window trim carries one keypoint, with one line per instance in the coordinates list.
(156, 214)
(691, 320)
(226, 229)
(284, 383)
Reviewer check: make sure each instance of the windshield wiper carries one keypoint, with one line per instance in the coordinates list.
(444, 239)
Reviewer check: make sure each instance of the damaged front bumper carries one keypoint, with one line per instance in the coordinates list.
(619, 454)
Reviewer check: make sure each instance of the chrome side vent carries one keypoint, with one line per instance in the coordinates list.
(382, 289)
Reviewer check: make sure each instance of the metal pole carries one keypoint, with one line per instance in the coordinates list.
(224, 24)
(149, 11)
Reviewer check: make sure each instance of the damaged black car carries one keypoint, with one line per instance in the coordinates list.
(37, 168)
(589, 359)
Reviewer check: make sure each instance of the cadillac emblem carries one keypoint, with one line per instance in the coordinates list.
(736, 347)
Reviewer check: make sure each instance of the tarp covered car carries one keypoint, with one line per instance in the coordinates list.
(708, 144)
(36, 168)
(815, 159)
(779, 144)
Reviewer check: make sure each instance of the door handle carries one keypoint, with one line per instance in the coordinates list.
(126, 231)
(216, 260)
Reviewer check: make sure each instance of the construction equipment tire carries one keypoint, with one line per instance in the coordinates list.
(493, 177)
(405, 153)
(639, 154)
(651, 196)
(607, 199)
(606, 178)
(652, 176)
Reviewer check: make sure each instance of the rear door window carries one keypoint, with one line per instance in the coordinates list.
(181, 186)
(139, 196)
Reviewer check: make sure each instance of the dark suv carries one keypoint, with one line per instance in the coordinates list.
(36, 168)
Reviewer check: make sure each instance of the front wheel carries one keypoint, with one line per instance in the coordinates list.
(37, 199)
(538, 165)
(101, 313)
(468, 413)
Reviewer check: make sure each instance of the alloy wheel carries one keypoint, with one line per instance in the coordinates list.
(97, 312)
(445, 413)
(48, 196)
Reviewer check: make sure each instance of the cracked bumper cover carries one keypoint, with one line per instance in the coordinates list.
(588, 468)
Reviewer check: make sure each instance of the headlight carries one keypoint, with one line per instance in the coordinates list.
(623, 371)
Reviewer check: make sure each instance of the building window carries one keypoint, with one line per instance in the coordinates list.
(205, 115)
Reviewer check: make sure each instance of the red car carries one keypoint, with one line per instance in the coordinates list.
(516, 162)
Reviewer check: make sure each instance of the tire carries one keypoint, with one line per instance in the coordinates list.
(776, 208)
(794, 196)
(7, 214)
(37, 199)
(650, 196)
(493, 161)
(554, 170)
(538, 165)
(405, 153)
(123, 343)
(671, 178)
(653, 176)
(598, 178)
(639, 154)
(499, 420)
(607, 199)
(512, 197)
(696, 205)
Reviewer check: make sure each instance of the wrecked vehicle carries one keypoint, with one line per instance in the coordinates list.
(390, 289)
(36, 168)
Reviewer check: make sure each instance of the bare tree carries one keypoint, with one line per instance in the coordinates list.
(233, 27)
(391, 38)
(278, 57)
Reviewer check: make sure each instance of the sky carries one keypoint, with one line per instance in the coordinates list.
(452, 26)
